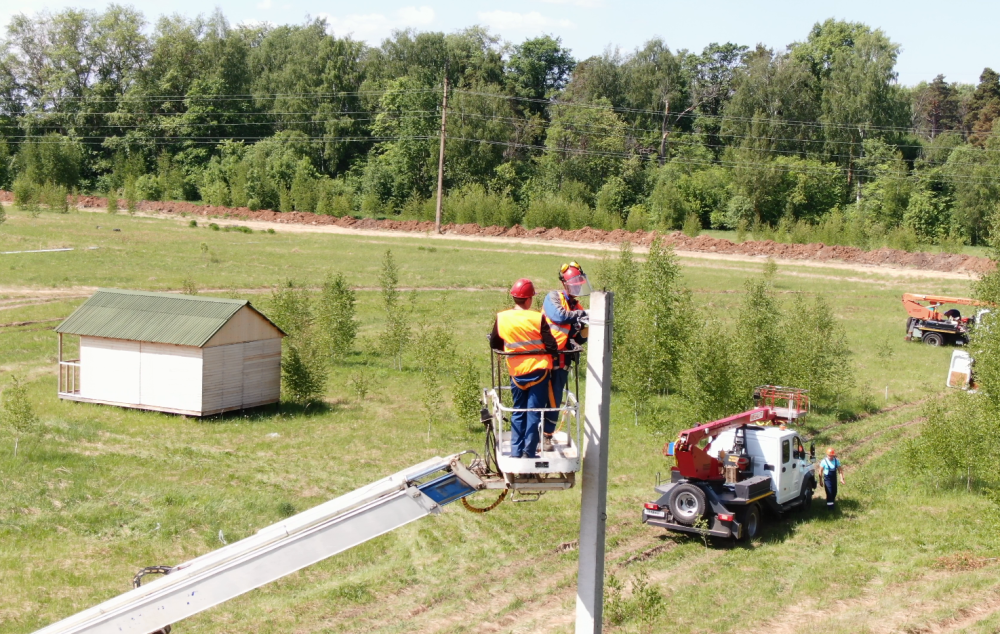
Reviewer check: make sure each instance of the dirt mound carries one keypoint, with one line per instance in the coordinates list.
(949, 262)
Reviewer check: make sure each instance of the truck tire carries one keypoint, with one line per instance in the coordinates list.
(933, 339)
(750, 519)
(687, 504)
(808, 489)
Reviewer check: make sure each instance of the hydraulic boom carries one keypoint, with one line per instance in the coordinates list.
(928, 309)
(279, 549)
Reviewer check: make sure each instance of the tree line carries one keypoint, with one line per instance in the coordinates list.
(818, 139)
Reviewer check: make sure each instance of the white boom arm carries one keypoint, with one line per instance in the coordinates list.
(279, 550)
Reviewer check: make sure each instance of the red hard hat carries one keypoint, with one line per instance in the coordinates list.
(522, 289)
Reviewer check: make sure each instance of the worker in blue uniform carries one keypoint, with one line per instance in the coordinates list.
(831, 469)
(568, 322)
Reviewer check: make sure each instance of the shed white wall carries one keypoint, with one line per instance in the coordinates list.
(109, 369)
(171, 376)
(155, 375)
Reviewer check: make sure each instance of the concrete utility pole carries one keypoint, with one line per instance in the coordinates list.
(594, 482)
(444, 119)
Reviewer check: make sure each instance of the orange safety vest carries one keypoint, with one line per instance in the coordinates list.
(561, 331)
(521, 331)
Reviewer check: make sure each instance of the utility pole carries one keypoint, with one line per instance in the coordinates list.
(594, 498)
(444, 119)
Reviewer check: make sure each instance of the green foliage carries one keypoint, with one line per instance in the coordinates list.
(435, 352)
(303, 372)
(638, 140)
(474, 204)
(26, 195)
(652, 309)
(55, 197)
(112, 202)
(335, 316)
(466, 393)
(397, 333)
(632, 601)
(16, 412)
(52, 158)
(290, 309)
(692, 226)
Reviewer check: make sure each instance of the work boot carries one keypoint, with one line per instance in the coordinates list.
(547, 442)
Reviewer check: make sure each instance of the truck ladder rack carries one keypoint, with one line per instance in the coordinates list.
(279, 550)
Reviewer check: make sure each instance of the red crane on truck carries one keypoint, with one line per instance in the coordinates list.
(728, 469)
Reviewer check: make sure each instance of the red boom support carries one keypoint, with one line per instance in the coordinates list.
(693, 461)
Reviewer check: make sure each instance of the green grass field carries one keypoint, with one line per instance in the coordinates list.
(104, 491)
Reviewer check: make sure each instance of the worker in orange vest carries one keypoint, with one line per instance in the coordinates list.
(568, 322)
(526, 334)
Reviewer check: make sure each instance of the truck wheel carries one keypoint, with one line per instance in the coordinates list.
(687, 503)
(933, 339)
(807, 495)
(750, 520)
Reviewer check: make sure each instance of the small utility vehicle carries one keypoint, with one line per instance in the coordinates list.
(728, 471)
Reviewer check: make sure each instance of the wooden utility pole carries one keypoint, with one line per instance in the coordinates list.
(594, 498)
(444, 120)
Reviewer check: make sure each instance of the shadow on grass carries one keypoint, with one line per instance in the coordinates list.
(269, 413)
(778, 528)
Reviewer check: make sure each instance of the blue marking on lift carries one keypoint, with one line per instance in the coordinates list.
(446, 489)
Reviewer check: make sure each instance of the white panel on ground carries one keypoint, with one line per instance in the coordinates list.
(171, 376)
(109, 370)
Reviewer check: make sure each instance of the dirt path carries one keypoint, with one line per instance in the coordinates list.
(883, 262)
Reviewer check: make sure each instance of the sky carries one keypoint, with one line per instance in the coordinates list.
(957, 39)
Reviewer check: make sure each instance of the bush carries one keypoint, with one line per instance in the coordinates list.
(692, 225)
(26, 195)
(148, 187)
(55, 197)
(303, 374)
(473, 204)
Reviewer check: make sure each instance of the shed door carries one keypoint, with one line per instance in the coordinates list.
(109, 370)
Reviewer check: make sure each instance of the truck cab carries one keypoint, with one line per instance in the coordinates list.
(775, 452)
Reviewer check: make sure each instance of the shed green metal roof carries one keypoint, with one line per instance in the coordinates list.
(184, 320)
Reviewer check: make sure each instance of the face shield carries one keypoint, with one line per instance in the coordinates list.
(578, 285)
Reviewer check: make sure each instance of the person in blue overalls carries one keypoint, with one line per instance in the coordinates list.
(831, 469)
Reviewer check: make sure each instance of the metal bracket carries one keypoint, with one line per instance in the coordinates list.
(527, 496)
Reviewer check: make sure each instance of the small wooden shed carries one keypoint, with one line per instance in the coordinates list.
(181, 354)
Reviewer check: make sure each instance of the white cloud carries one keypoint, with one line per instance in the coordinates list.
(586, 4)
(264, 4)
(373, 27)
(530, 22)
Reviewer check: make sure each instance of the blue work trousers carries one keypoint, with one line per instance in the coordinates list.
(830, 484)
(523, 424)
(557, 385)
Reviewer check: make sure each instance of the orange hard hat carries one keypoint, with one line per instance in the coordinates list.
(831, 452)
(522, 289)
